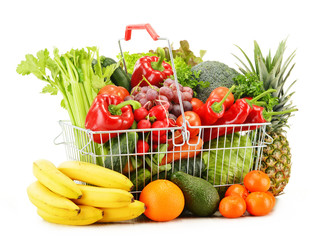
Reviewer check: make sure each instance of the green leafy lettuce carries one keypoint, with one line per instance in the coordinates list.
(228, 160)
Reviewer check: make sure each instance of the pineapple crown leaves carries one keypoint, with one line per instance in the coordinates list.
(274, 73)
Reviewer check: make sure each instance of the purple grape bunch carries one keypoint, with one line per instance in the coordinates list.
(167, 96)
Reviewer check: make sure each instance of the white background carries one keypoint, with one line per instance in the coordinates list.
(29, 120)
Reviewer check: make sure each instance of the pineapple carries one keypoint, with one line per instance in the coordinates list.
(276, 157)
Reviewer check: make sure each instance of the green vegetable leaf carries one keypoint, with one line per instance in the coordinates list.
(50, 89)
(249, 85)
(63, 104)
(33, 65)
(103, 73)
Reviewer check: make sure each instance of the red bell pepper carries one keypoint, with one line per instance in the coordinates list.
(153, 68)
(220, 93)
(236, 114)
(108, 113)
(215, 106)
(260, 115)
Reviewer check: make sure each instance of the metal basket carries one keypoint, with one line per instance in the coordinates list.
(224, 160)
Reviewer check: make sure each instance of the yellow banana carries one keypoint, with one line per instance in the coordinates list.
(51, 202)
(104, 197)
(87, 215)
(129, 212)
(95, 175)
(47, 174)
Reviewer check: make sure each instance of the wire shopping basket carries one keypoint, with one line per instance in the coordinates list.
(220, 154)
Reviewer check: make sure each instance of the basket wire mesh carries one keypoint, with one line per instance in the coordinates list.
(222, 161)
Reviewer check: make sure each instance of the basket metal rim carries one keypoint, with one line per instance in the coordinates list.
(88, 131)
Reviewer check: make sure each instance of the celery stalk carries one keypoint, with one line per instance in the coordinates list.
(73, 76)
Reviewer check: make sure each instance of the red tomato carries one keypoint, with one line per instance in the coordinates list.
(232, 206)
(194, 121)
(237, 189)
(259, 203)
(219, 93)
(196, 103)
(257, 181)
(115, 90)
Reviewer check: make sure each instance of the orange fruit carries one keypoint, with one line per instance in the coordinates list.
(163, 199)
(257, 181)
(272, 198)
(237, 189)
(233, 206)
(259, 203)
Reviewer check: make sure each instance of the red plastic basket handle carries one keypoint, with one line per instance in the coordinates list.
(150, 30)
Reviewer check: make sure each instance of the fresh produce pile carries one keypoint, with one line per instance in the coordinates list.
(163, 136)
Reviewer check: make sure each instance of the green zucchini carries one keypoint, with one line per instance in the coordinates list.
(119, 77)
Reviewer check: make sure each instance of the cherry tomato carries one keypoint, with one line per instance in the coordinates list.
(142, 147)
(140, 113)
(232, 206)
(114, 90)
(196, 103)
(219, 93)
(237, 189)
(259, 203)
(144, 124)
(158, 112)
(194, 121)
(257, 181)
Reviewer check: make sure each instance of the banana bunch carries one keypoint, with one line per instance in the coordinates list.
(59, 199)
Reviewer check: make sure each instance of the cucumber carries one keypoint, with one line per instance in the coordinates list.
(119, 77)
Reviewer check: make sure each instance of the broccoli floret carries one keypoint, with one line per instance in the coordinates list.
(217, 74)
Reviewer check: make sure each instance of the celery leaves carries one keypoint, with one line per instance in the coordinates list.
(71, 74)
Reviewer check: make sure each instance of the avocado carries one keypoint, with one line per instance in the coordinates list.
(201, 198)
